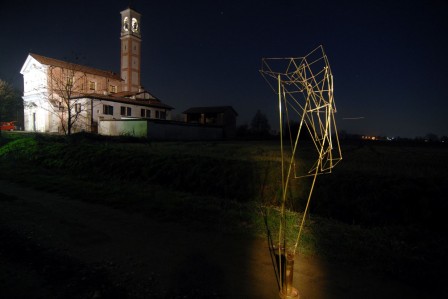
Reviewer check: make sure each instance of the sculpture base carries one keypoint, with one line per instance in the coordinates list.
(294, 294)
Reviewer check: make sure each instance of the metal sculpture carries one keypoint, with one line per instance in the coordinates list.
(304, 86)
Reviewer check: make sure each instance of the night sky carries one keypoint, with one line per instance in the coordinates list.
(389, 58)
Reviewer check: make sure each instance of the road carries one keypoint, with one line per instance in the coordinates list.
(56, 247)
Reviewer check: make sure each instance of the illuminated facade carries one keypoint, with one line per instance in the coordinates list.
(57, 92)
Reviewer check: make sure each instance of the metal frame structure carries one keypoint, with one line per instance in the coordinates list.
(304, 86)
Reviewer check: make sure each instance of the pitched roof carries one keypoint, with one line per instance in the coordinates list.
(136, 94)
(74, 66)
(113, 98)
(212, 109)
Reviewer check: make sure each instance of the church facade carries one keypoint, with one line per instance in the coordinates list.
(65, 97)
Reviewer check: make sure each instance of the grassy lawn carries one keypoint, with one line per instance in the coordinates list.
(382, 209)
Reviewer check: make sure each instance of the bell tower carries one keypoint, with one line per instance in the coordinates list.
(130, 49)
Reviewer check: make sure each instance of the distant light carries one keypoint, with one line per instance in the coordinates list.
(370, 137)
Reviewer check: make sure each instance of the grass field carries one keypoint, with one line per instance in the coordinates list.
(383, 207)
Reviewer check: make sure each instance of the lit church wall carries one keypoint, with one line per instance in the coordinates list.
(53, 89)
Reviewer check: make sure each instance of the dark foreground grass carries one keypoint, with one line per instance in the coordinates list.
(216, 186)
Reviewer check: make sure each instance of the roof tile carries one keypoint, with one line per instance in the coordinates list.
(74, 66)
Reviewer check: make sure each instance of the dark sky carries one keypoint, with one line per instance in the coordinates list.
(389, 58)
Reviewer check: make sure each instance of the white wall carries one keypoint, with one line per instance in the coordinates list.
(35, 91)
(159, 130)
(136, 128)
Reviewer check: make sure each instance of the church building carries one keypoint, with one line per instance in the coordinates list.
(65, 97)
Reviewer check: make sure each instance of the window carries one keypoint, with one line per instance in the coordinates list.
(160, 114)
(125, 111)
(108, 110)
(145, 113)
(92, 85)
(113, 88)
(78, 108)
(69, 80)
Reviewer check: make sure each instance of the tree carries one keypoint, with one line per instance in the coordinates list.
(57, 87)
(431, 137)
(260, 125)
(65, 85)
(11, 103)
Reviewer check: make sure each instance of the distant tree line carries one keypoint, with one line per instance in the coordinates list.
(259, 127)
(428, 138)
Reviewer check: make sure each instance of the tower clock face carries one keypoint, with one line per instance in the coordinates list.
(134, 25)
(126, 24)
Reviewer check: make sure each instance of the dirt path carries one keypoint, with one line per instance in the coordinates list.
(54, 247)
